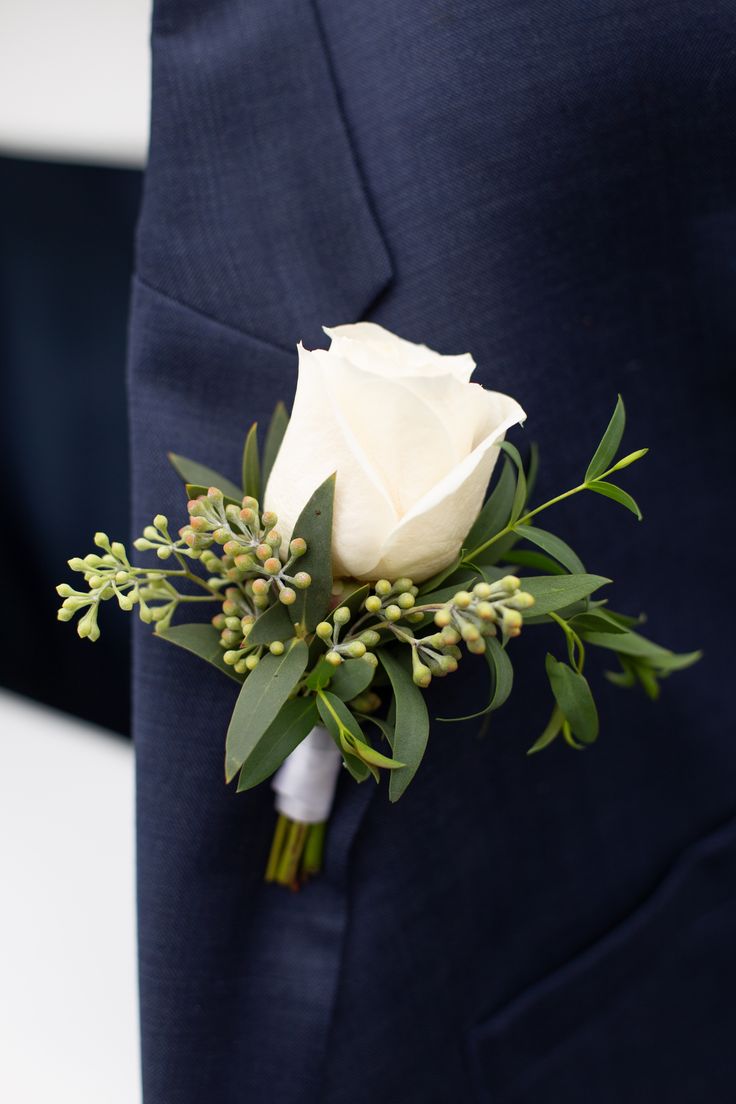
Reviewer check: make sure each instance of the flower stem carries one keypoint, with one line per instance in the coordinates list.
(288, 867)
(532, 513)
(314, 849)
(279, 835)
(296, 852)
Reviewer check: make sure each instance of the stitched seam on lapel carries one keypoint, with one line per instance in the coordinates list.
(267, 342)
(357, 160)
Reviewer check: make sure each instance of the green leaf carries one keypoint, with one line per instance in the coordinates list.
(411, 726)
(252, 464)
(553, 545)
(537, 560)
(572, 694)
(274, 437)
(551, 732)
(495, 514)
(320, 677)
(502, 678)
(194, 490)
(192, 472)
(350, 739)
(201, 640)
(353, 599)
(331, 718)
(272, 624)
(622, 619)
(632, 457)
(552, 593)
(436, 580)
(632, 644)
(386, 728)
(610, 490)
(293, 723)
(626, 677)
(532, 469)
(605, 454)
(520, 493)
(596, 621)
(314, 524)
(502, 671)
(375, 758)
(264, 692)
(648, 681)
(359, 770)
(351, 678)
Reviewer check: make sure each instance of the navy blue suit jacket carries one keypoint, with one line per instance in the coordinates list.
(550, 184)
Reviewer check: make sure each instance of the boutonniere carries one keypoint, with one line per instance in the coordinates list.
(356, 562)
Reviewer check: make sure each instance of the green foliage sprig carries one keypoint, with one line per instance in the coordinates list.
(307, 649)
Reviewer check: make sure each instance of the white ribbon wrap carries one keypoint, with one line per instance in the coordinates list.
(305, 783)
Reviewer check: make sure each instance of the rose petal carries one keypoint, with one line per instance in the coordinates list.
(430, 535)
(408, 442)
(460, 406)
(370, 346)
(317, 443)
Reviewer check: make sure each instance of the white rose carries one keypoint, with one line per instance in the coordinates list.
(413, 443)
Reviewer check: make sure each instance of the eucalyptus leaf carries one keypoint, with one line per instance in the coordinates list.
(293, 723)
(503, 672)
(272, 624)
(605, 454)
(192, 472)
(386, 728)
(314, 524)
(351, 678)
(648, 681)
(502, 678)
(265, 691)
(623, 619)
(496, 513)
(565, 612)
(596, 621)
(629, 643)
(573, 695)
(553, 593)
(252, 464)
(359, 770)
(537, 560)
(375, 758)
(351, 740)
(502, 550)
(551, 732)
(436, 580)
(195, 490)
(520, 493)
(411, 730)
(532, 469)
(625, 678)
(610, 490)
(201, 640)
(274, 437)
(553, 545)
(356, 767)
(320, 675)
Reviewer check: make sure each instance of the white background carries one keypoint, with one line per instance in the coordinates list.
(68, 999)
(74, 80)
